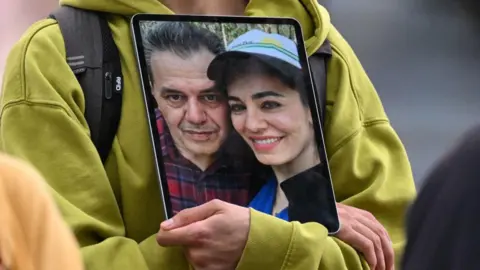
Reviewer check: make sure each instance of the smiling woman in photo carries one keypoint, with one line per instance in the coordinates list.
(262, 78)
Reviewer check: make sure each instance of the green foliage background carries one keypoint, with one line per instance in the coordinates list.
(229, 31)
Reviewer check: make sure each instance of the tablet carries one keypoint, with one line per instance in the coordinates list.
(234, 115)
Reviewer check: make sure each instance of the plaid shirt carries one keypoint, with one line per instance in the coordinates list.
(228, 178)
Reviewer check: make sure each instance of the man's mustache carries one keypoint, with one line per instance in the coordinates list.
(207, 128)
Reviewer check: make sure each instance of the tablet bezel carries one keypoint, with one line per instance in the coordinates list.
(314, 100)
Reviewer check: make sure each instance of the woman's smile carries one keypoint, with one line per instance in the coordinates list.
(265, 143)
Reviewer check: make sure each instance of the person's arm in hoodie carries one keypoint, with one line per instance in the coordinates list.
(370, 170)
(41, 125)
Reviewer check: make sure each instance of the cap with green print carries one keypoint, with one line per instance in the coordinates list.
(259, 44)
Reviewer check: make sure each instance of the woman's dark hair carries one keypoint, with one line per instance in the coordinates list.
(241, 68)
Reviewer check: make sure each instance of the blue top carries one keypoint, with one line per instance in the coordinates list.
(265, 199)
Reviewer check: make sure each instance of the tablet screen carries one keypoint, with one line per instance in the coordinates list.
(234, 115)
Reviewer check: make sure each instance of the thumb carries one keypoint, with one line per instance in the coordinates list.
(192, 215)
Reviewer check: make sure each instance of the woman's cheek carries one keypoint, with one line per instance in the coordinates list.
(238, 122)
(284, 122)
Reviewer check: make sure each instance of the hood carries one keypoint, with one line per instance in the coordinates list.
(314, 18)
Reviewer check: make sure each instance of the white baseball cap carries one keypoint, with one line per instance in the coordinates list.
(263, 46)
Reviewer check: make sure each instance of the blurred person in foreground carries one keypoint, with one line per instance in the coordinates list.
(442, 230)
(33, 235)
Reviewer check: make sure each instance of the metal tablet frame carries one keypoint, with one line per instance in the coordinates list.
(144, 78)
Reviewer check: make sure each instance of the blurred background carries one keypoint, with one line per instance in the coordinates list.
(15, 17)
(423, 58)
(421, 55)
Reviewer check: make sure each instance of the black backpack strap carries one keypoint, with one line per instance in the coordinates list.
(94, 59)
(318, 69)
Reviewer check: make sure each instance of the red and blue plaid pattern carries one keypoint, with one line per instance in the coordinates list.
(226, 179)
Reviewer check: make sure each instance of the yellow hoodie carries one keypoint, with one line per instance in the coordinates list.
(115, 212)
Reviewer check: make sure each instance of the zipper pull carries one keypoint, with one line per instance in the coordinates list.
(108, 85)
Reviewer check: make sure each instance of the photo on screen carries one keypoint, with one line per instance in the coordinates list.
(234, 115)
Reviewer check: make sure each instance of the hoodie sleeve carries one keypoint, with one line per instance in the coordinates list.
(370, 170)
(45, 126)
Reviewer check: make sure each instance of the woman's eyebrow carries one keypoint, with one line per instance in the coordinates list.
(233, 98)
(263, 94)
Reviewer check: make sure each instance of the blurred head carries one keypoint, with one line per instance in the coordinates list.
(267, 97)
(178, 55)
